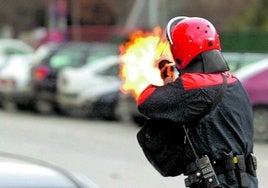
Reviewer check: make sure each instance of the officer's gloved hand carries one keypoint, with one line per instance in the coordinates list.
(166, 71)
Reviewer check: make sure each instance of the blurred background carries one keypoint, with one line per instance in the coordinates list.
(60, 90)
(243, 26)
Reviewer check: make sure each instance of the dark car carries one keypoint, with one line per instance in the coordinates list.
(70, 54)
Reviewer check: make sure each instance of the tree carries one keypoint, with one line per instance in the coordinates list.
(253, 17)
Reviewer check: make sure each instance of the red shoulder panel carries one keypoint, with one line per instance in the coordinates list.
(200, 80)
(145, 94)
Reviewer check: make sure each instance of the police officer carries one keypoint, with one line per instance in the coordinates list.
(209, 101)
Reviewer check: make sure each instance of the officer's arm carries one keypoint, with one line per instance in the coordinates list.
(170, 102)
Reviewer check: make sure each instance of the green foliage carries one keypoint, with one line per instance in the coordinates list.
(253, 17)
(245, 41)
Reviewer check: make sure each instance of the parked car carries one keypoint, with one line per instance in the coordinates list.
(12, 48)
(15, 78)
(22, 171)
(254, 78)
(238, 60)
(70, 54)
(91, 90)
(127, 108)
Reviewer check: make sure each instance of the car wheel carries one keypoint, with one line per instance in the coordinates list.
(261, 123)
(22, 106)
(121, 112)
(44, 107)
(9, 105)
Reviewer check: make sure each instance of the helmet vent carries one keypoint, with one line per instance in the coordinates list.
(210, 43)
(178, 61)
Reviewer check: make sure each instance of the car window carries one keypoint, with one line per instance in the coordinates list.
(100, 51)
(239, 60)
(12, 51)
(66, 58)
(95, 56)
(235, 65)
(112, 70)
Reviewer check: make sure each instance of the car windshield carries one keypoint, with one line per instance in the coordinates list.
(12, 51)
(66, 57)
(239, 60)
(100, 51)
(14, 47)
(112, 70)
(76, 55)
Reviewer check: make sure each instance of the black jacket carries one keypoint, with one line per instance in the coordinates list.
(188, 101)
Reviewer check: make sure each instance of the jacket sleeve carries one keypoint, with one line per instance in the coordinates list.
(174, 103)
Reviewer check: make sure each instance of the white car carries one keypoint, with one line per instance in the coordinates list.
(10, 47)
(91, 90)
(23, 171)
(15, 77)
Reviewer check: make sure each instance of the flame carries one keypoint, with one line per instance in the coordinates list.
(139, 57)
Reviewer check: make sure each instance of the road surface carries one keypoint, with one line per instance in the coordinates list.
(106, 152)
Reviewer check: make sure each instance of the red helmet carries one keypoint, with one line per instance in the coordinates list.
(189, 37)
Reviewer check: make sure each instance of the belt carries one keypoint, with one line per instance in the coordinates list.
(234, 167)
(228, 162)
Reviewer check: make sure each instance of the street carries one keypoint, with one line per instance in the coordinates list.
(105, 151)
